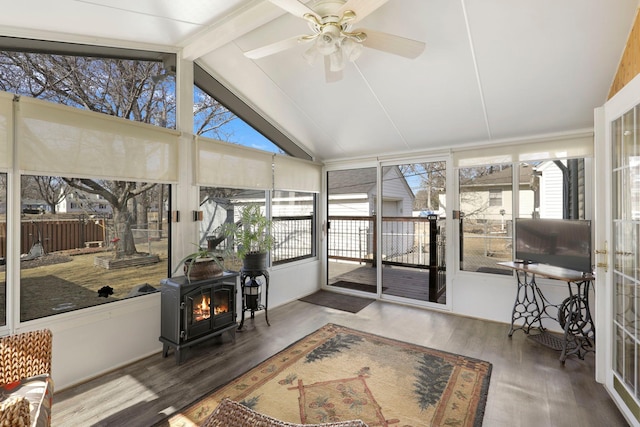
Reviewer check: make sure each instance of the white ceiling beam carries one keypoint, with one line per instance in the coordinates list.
(242, 21)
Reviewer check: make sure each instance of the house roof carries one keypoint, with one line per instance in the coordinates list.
(498, 177)
(352, 181)
(492, 70)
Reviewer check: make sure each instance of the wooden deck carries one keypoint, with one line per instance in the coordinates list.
(403, 282)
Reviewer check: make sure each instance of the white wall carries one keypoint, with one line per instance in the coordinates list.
(491, 296)
(93, 341)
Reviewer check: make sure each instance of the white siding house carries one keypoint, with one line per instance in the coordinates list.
(81, 202)
(352, 193)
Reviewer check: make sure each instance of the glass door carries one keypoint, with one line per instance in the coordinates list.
(619, 260)
(413, 232)
(351, 229)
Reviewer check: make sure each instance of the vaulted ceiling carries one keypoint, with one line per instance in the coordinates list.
(492, 70)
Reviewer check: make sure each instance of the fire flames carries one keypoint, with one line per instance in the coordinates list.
(219, 309)
(202, 310)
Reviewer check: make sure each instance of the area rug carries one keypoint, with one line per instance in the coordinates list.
(338, 373)
(350, 303)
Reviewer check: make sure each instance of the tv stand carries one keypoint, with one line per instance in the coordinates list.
(573, 314)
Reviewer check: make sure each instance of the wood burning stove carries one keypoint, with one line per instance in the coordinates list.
(192, 312)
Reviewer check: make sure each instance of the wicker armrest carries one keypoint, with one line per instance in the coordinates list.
(230, 413)
(25, 355)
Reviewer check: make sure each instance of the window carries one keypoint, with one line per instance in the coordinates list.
(495, 197)
(553, 189)
(293, 215)
(138, 90)
(486, 235)
(213, 120)
(546, 189)
(294, 230)
(78, 257)
(221, 206)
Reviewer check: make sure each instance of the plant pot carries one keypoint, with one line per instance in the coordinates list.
(255, 261)
(203, 268)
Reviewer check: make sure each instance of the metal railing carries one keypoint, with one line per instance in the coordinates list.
(294, 237)
(413, 242)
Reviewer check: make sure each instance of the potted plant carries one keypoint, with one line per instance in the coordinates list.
(253, 237)
(201, 264)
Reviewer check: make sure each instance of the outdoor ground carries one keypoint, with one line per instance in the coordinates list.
(58, 282)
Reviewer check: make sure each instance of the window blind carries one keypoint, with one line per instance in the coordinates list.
(222, 164)
(547, 149)
(6, 130)
(292, 174)
(64, 141)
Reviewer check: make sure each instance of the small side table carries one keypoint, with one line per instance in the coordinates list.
(252, 275)
(573, 314)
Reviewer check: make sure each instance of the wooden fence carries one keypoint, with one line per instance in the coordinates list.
(55, 235)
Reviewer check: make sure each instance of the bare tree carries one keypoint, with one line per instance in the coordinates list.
(141, 91)
(51, 189)
(118, 194)
(432, 182)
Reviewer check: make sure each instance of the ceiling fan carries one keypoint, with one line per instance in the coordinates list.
(332, 36)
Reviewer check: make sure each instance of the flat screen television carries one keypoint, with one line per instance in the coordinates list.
(559, 242)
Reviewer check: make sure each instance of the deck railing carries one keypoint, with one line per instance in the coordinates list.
(412, 242)
(294, 237)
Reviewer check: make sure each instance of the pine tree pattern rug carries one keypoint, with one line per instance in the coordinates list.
(337, 374)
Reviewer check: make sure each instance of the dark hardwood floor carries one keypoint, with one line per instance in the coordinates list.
(529, 385)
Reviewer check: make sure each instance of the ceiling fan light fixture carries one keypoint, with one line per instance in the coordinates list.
(351, 49)
(336, 61)
(311, 55)
(329, 40)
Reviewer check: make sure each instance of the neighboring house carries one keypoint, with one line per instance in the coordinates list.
(545, 191)
(352, 193)
(81, 202)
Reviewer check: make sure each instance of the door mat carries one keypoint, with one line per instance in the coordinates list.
(350, 303)
(356, 286)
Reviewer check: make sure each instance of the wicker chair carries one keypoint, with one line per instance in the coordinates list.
(25, 375)
(230, 413)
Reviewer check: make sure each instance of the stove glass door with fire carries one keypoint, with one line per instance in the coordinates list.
(194, 311)
(208, 308)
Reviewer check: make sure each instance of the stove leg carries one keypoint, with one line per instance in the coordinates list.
(165, 350)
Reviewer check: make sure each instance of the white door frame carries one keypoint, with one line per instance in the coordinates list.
(623, 101)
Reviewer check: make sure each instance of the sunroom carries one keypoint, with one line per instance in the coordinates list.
(396, 178)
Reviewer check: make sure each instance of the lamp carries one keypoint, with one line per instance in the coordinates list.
(333, 41)
(252, 294)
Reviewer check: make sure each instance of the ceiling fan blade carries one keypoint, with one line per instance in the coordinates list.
(294, 7)
(392, 44)
(331, 76)
(276, 47)
(361, 8)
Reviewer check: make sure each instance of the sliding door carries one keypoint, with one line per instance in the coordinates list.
(412, 231)
(351, 229)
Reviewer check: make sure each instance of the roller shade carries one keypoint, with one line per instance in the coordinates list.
(222, 164)
(548, 149)
(293, 174)
(6, 130)
(65, 141)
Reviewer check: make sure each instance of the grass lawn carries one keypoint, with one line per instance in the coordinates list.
(56, 282)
